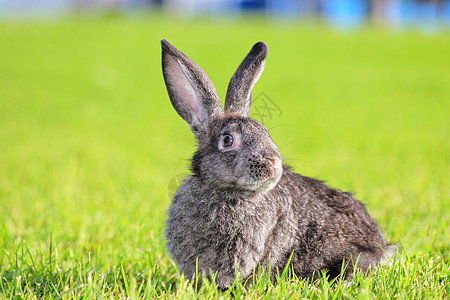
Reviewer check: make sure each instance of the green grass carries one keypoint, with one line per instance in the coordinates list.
(89, 144)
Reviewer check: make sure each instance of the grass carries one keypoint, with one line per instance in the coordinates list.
(89, 147)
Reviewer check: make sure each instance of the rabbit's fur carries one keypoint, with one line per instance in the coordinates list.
(242, 208)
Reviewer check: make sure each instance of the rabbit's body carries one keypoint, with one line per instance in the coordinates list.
(242, 208)
(320, 225)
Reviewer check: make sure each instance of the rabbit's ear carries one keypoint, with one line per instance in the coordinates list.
(191, 92)
(239, 93)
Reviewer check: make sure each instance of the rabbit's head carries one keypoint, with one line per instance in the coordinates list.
(234, 151)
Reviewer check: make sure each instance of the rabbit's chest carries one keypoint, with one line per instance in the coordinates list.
(244, 224)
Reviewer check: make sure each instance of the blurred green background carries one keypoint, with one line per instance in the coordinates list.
(89, 141)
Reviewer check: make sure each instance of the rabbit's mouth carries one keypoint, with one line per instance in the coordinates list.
(261, 185)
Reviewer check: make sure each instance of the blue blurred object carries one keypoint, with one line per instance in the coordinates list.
(427, 15)
(345, 14)
(253, 5)
(282, 8)
(445, 13)
(424, 15)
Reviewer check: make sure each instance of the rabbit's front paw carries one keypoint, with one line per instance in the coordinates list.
(225, 281)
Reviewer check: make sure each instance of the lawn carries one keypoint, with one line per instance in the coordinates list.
(90, 147)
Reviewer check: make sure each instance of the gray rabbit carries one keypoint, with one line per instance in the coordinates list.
(241, 208)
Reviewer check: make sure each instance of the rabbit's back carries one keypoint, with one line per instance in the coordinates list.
(332, 226)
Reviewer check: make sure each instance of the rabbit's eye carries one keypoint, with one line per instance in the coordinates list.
(227, 140)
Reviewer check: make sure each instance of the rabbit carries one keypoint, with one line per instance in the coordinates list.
(242, 208)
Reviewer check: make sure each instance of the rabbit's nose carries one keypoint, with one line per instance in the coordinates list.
(276, 162)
